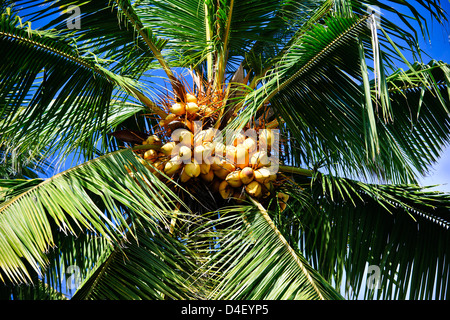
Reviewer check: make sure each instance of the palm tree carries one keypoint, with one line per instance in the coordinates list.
(353, 132)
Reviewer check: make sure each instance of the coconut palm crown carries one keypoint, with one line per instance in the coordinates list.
(223, 149)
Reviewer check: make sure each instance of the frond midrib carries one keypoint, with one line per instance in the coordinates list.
(55, 51)
(49, 180)
(319, 55)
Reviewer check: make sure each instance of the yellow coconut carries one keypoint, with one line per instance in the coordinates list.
(234, 179)
(150, 155)
(204, 136)
(146, 163)
(282, 200)
(198, 153)
(219, 148)
(283, 196)
(262, 175)
(192, 107)
(159, 165)
(240, 138)
(242, 156)
(205, 168)
(259, 159)
(152, 166)
(225, 190)
(247, 175)
(216, 164)
(153, 139)
(266, 137)
(202, 154)
(217, 159)
(208, 152)
(254, 189)
(267, 189)
(250, 144)
(231, 153)
(198, 138)
(191, 98)
(224, 169)
(184, 177)
(185, 153)
(170, 117)
(178, 109)
(192, 169)
(208, 177)
(210, 133)
(186, 138)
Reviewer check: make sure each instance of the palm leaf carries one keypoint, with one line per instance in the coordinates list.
(14, 187)
(111, 34)
(91, 197)
(40, 291)
(254, 261)
(45, 77)
(397, 228)
(329, 104)
(154, 266)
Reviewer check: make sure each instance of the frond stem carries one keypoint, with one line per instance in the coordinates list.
(325, 8)
(136, 93)
(156, 52)
(291, 251)
(294, 170)
(314, 60)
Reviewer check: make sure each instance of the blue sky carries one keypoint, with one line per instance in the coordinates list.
(438, 47)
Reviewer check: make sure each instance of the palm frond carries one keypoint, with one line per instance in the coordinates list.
(13, 187)
(332, 101)
(181, 22)
(21, 166)
(153, 266)
(44, 80)
(399, 229)
(254, 261)
(110, 34)
(303, 16)
(40, 291)
(310, 78)
(90, 198)
(308, 51)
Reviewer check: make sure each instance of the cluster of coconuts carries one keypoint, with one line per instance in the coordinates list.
(232, 170)
(188, 112)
